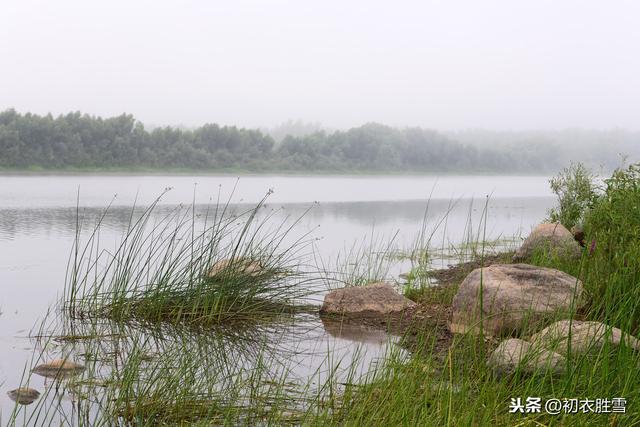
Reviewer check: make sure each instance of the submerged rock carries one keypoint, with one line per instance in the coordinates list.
(24, 395)
(552, 238)
(514, 296)
(586, 336)
(375, 300)
(58, 368)
(235, 265)
(514, 354)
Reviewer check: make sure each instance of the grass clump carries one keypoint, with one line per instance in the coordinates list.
(450, 383)
(196, 384)
(612, 264)
(235, 267)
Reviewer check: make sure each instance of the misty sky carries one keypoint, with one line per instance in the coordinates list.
(438, 64)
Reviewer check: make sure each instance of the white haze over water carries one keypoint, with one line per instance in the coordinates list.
(446, 65)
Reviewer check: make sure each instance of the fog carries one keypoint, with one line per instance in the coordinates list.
(445, 65)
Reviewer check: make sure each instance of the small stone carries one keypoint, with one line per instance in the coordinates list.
(24, 395)
(514, 354)
(58, 368)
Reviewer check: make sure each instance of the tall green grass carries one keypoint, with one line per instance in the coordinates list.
(454, 386)
(177, 375)
(173, 373)
(160, 270)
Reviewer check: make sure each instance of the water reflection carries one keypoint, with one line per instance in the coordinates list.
(127, 366)
(355, 332)
(511, 214)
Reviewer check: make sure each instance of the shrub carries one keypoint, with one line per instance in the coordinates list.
(576, 190)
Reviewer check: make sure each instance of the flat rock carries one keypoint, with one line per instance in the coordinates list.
(516, 354)
(551, 238)
(514, 296)
(373, 300)
(24, 395)
(586, 336)
(235, 265)
(58, 368)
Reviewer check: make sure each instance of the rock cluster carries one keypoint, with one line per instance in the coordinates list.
(506, 300)
(546, 350)
(517, 298)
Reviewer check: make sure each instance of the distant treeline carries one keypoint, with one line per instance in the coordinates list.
(80, 141)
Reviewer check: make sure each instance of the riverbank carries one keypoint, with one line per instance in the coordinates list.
(451, 379)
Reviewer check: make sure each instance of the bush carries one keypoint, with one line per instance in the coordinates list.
(617, 212)
(576, 191)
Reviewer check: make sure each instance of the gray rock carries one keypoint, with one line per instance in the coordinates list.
(24, 395)
(586, 337)
(514, 296)
(551, 238)
(376, 299)
(514, 354)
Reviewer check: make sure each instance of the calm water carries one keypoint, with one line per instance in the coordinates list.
(38, 221)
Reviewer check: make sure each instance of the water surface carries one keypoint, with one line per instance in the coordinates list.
(39, 214)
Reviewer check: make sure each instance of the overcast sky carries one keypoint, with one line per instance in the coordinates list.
(539, 64)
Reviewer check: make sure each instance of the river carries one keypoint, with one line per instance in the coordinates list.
(39, 215)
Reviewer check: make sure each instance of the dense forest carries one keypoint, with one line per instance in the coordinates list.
(80, 141)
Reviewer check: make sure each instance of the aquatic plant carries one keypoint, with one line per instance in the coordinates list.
(236, 267)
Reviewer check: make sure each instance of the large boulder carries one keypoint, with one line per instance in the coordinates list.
(373, 300)
(514, 297)
(586, 336)
(551, 238)
(516, 354)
